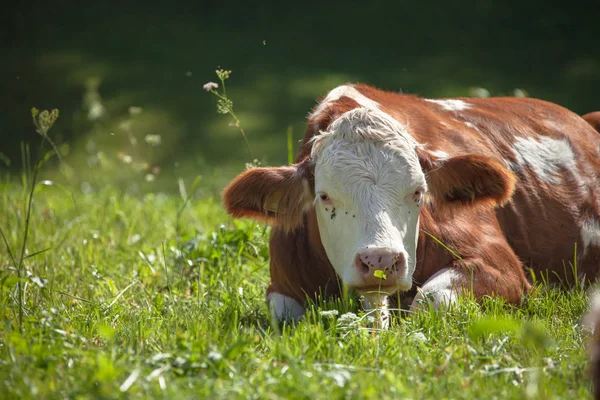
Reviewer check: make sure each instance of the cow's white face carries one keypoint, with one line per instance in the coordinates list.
(369, 189)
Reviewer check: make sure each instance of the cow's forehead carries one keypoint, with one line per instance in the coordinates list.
(366, 148)
(367, 125)
(366, 174)
(378, 163)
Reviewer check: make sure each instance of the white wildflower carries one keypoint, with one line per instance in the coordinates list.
(329, 314)
(210, 86)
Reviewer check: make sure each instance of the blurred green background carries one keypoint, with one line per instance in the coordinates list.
(120, 71)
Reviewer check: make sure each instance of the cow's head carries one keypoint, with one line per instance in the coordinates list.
(368, 179)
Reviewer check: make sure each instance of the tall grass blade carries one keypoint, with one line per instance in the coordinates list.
(290, 144)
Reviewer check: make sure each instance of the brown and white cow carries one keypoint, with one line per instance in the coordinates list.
(507, 184)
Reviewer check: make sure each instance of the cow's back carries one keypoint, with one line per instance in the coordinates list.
(552, 220)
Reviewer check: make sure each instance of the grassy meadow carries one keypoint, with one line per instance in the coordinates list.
(122, 277)
(130, 293)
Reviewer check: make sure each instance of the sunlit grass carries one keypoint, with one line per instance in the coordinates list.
(124, 290)
(120, 306)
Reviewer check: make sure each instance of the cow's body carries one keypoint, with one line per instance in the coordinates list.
(551, 218)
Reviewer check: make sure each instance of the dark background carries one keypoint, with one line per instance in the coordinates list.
(283, 56)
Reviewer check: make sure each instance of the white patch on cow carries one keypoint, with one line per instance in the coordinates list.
(512, 166)
(451, 104)
(362, 125)
(376, 304)
(591, 319)
(545, 156)
(442, 155)
(590, 233)
(470, 125)
(553, 125)
(284, 308)
(347, 91)
(367, 165)
(439, 290)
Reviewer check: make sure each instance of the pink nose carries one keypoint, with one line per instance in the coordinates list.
(391, 263)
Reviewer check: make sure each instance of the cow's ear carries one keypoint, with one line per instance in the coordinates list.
(275, 195)
(467, 180)
(593, 119)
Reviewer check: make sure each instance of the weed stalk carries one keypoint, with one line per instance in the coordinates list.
(43, 121)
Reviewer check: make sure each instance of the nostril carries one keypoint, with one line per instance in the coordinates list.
(363, 264)
(380, 259)
(364, 268)
(399, 262)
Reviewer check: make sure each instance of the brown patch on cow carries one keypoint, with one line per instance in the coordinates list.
(481, 256)
(472, 180)
(275, 195)
(593, 119)
(300, 268)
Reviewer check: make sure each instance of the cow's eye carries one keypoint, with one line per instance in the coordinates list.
(325, 199)
(418, 195)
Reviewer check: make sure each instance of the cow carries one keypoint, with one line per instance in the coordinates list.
(392, 192)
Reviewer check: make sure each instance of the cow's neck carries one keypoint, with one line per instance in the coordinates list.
(431, 256)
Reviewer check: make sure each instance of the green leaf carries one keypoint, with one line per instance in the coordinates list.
(45, 159)
(195, 184)
(534, 336)
(236, 349)
(182, 190)
(224, 106)
(106, 371)
(10, 281)
(493, 326)
(105, 331)
(4, 158)
(49, 183)
(36, 253)
(17, 341)
(290, 144)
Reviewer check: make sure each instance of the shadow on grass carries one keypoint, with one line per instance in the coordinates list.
(282, 59)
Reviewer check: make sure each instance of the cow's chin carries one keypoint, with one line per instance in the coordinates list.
(387, 288)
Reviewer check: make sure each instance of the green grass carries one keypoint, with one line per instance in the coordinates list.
(125, 306)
